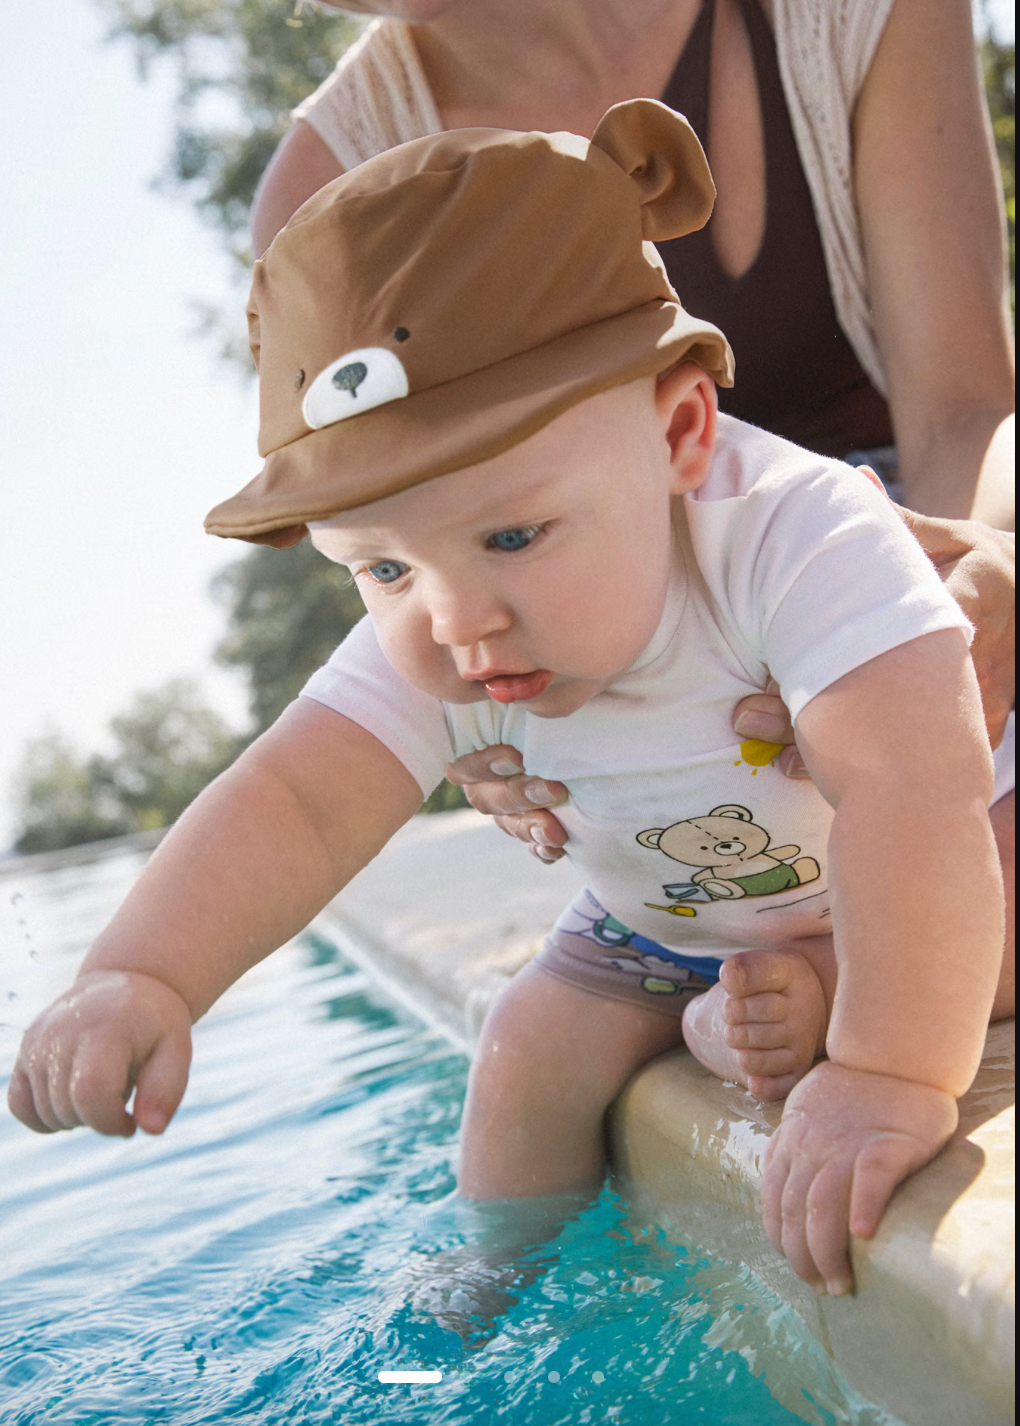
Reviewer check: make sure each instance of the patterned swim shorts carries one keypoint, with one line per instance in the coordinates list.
(589, 948)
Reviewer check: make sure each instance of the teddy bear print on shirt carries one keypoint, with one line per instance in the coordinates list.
(732, 860)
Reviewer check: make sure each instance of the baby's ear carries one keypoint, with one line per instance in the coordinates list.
(659, 150)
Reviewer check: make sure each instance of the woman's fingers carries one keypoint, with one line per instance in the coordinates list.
(486, 765)
(495, 783)
(978, 565)
(765, 717)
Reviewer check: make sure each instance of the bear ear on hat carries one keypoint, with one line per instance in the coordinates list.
(661, 153)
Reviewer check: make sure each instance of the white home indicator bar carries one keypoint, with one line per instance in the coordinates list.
(425, 1376)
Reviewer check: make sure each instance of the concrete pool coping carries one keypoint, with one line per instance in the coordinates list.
(452, 908)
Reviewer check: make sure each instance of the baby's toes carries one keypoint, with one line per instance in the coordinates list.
(768, 1008)
(772, 1087)
(751, 973)
(769, 1064)
(772, 1035)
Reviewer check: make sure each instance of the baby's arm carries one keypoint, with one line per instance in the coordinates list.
(247, 867)
(918, 928)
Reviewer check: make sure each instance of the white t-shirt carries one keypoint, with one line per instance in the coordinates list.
(787, 565)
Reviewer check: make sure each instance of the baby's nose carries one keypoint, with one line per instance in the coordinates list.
(462, 619)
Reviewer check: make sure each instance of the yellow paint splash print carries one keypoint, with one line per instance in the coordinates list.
(757, 753)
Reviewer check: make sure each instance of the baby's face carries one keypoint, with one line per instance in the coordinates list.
(537, 577)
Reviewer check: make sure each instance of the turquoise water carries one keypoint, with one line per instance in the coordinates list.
(253, 1264)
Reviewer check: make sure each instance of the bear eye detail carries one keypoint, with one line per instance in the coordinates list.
(387, 571)
(509, 541)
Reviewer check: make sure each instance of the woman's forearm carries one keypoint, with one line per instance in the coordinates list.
(963, 469)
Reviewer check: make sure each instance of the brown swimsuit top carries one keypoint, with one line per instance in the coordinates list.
(797, 374)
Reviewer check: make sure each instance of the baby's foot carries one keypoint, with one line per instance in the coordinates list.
(467, 1294)
(762, 1025)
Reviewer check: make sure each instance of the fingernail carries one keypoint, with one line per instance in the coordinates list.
(537, 835)
(819, 1289)
(840, 1287)
(759, 725)
(503, 767)
(795, 765)
(545, 855)
(537, 792)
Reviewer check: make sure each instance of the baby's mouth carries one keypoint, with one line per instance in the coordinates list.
(517, 687)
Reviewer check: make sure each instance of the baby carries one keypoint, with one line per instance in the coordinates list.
(480, 393)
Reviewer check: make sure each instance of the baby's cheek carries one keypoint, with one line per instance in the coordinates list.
(416, 656)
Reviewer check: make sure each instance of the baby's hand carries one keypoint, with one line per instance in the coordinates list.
(112, 1032)
(846, 1140)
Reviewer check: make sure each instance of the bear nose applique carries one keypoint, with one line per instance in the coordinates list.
(350, 377)
(730, 849)
(354, 382)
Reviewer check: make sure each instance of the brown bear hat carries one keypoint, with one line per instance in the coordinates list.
(450, 297)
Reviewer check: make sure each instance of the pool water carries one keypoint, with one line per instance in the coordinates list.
(253, 1264)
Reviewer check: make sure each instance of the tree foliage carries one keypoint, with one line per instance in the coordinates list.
(166, 747)
(998, 66)
(59, 799)
(241, 66)
(287, 610)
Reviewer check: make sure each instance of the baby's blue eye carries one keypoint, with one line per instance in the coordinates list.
(511, 540)
(387, 571)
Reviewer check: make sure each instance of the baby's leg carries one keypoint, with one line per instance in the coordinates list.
(764, 1024)
(1003, 817)
(551, 1059)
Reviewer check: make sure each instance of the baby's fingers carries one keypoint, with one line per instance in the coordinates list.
(880, 1168)
(776, 1172)
(827, 1239)
(21, 1100)
(99, 1086)
(162, 1081)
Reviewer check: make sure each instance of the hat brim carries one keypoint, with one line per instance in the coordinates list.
(460, 423)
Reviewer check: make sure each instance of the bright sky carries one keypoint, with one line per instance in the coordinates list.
(118, 428)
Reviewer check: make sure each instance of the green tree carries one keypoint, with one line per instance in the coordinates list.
(241, 67)
(287, 610)
(167, 746)
(60, 801)
(998, 66)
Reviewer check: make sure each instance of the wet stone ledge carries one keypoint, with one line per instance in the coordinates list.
(452, 909)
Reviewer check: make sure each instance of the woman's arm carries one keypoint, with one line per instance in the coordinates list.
(301, 165)
(930, 207)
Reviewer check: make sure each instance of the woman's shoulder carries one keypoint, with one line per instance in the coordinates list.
(830, 39)
(376, 97)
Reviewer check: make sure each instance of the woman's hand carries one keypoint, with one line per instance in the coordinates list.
(494, 782)
(978, 566)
